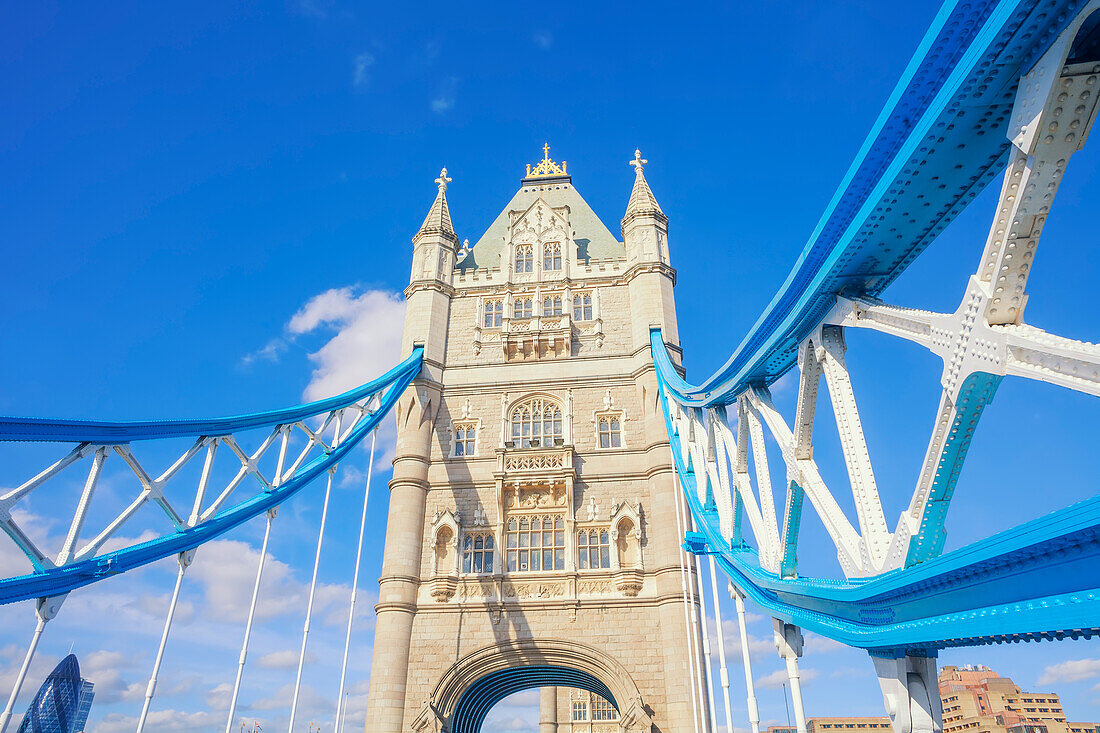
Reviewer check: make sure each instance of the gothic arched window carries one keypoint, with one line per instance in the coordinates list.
(477, 553)
(551, 256)
(593, 549)
(522, 308)
(535, 543)
(525, 258)
(494, 310)
(551, 305)
(582, 307)
(536, 422)
(610, 430)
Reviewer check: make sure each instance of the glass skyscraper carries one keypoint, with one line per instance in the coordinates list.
(62, 703)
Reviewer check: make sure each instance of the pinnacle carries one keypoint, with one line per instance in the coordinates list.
(438, 220)
(642, 199)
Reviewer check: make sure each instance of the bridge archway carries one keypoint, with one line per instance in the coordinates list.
(476, 682)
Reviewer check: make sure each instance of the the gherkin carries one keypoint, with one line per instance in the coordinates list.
(62, 703)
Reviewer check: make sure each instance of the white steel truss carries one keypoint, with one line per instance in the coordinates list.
(982, 342)
(298, 443)
(979, 344)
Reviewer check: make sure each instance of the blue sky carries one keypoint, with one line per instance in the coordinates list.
(208, 210)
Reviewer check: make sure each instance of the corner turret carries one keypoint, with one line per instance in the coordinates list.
(435, 244)
(644, 226)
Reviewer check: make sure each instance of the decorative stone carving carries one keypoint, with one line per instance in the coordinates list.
(629, 582)
(442, 588)
(534, 590)
(594, 587)
(477, 590)
(544, 460)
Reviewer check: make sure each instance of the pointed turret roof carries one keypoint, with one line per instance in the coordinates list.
(438, 220)
(642, 200)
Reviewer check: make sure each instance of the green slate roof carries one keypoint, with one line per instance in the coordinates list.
(591, 236)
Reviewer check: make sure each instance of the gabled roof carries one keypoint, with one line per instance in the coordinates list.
(592, 238)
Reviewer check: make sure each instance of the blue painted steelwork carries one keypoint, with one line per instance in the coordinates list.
(55, 581)
(937, 142)
(1034, 581)
(111, 433)
(482, 695)
(976, 392)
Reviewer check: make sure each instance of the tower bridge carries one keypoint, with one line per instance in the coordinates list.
(565, 505)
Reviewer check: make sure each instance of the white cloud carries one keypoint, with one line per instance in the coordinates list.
(367, 342)
(759, 646)
(170, 721)
(361, 75)
(1073, 670)
(308, 700)
(778, 678)
(818, 644)
(271, 352)
(283, 659)
(510, 724)
(444, 100)
(544, 40)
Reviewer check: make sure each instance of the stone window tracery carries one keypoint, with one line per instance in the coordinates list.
(535, 543)
(465, 439)
(522, 308)
(551, 256)
(536, 422)
(603, 710)
(582, 307)
(609, 428)
(477, 553)
(594, 549)
(587, 707)
(551, 305)
(525, 258)
(494, 312)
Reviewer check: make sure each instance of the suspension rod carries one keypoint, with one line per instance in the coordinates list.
(248, 625)
(5, 718)
(723, 670)
(687, 613)
(341, 702)
(184, 560)
(754, 711)
(312, 592)
(709, 685)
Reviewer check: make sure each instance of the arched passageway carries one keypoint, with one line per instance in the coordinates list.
(486, 692)
(476, 682)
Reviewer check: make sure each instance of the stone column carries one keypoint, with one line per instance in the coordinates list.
(548, 710)
(401, 564)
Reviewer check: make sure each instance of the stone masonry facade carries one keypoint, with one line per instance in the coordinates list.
(533, 487)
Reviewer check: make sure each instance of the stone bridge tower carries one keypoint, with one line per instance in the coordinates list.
(530, 540)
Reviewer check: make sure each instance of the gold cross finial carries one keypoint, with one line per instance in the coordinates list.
(638, 162)
(546, 167)
(442, 181)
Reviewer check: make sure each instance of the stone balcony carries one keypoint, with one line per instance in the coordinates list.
(537, 337)
(535, 463)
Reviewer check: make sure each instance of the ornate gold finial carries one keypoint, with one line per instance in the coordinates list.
(442, 181)
(638, 162)
(546, 167)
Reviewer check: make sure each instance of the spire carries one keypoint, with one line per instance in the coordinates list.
(642, 200)
(438, 220)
